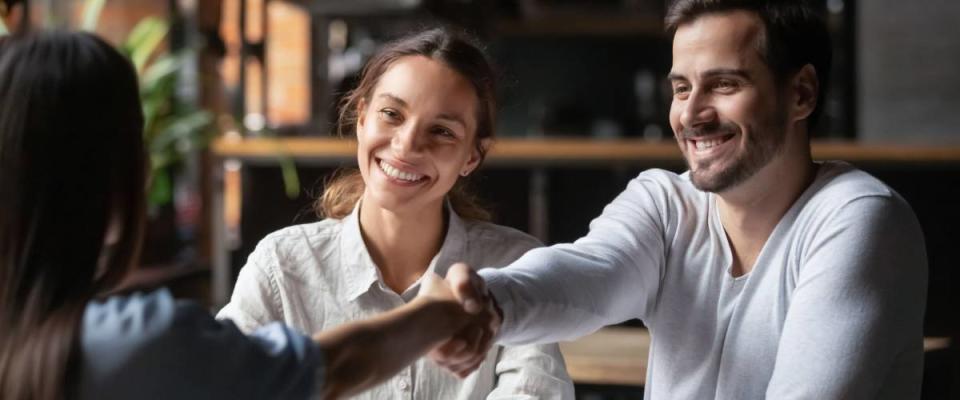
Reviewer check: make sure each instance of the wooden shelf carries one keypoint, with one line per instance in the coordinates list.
(566, 151)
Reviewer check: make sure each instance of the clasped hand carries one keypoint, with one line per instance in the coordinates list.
(463, 352)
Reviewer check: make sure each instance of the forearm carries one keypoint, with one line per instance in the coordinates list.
(363, 353)
(568, 290)
(557, 294)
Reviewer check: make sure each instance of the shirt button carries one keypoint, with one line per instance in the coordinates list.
(404, 385)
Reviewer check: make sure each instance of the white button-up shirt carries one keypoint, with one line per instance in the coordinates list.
(319, 275)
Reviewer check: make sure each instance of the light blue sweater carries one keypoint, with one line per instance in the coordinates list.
(149, 346)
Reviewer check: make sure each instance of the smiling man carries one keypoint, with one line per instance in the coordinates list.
(759, 272)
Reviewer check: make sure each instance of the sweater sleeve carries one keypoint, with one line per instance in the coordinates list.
(151, 347)
(611, 275)
(857, 310)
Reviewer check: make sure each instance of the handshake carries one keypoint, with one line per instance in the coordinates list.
(476, 323)
(453, 319)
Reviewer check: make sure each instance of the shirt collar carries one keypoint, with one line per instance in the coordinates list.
(360, 273)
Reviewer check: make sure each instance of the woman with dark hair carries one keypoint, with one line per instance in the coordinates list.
(423, 114)
(72, 182)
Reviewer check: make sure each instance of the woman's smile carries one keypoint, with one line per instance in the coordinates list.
(400, 175)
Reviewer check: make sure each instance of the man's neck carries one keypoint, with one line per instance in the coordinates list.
(402, 245)
(750, 211)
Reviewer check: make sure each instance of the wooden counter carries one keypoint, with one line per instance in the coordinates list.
(539, 156)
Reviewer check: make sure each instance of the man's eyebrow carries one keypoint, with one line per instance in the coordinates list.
(673, 76)
(712, 73)
(726, 71)
(393, 98)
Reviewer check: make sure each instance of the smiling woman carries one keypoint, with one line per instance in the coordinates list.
(423, 115)
(415, 61)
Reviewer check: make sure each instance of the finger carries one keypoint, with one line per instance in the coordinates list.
(459, 349)
(475, 342)
(464, 370)
(459, 369)
(452, 349)
(464, 282)
(440, 359)
(472, 356)
(479, 352)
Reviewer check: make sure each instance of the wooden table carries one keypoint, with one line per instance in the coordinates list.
(618, 356)
(610, 356)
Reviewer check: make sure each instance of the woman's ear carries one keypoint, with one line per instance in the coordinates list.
(361, 114)
(476, 156)
(804, 87)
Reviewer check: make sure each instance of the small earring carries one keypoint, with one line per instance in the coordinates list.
(464, 173)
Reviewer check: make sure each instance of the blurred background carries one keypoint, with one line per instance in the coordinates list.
(241, 96)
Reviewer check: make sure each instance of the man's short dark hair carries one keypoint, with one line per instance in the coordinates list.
(795, 35)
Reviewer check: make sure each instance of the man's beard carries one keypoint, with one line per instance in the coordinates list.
(762, 146)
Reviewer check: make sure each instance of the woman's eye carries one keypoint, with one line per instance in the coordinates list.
(389, 114)
(444, 132)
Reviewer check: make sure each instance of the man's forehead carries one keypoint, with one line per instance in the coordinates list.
(730, 39)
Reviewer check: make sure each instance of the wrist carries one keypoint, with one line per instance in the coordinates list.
(443, 316)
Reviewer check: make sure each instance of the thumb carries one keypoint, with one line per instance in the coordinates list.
(468, 287)
(433, 285)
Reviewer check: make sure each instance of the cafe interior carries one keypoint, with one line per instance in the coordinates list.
(245, 97)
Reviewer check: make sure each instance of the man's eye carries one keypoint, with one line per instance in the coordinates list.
(680, 90)
(726, 85)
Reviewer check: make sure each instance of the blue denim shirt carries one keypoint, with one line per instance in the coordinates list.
(150, 346)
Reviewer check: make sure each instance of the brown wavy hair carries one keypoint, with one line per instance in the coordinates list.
(454, 49)
(71, 161)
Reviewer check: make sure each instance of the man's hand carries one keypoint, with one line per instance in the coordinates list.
(466, 350)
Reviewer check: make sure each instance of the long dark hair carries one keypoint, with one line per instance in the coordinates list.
(72, 163)
(457, 50)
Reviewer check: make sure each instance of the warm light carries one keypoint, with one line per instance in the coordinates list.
(288, 64)
(230, 31)
(232, 201)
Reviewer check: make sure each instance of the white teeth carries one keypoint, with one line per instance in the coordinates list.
(706, 144)
(398, 174)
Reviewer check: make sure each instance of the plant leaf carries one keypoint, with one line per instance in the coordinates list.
(189, 126)
(163, 67)
(161, 189)
(144, 39)
(291, 179)
(91, 14)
